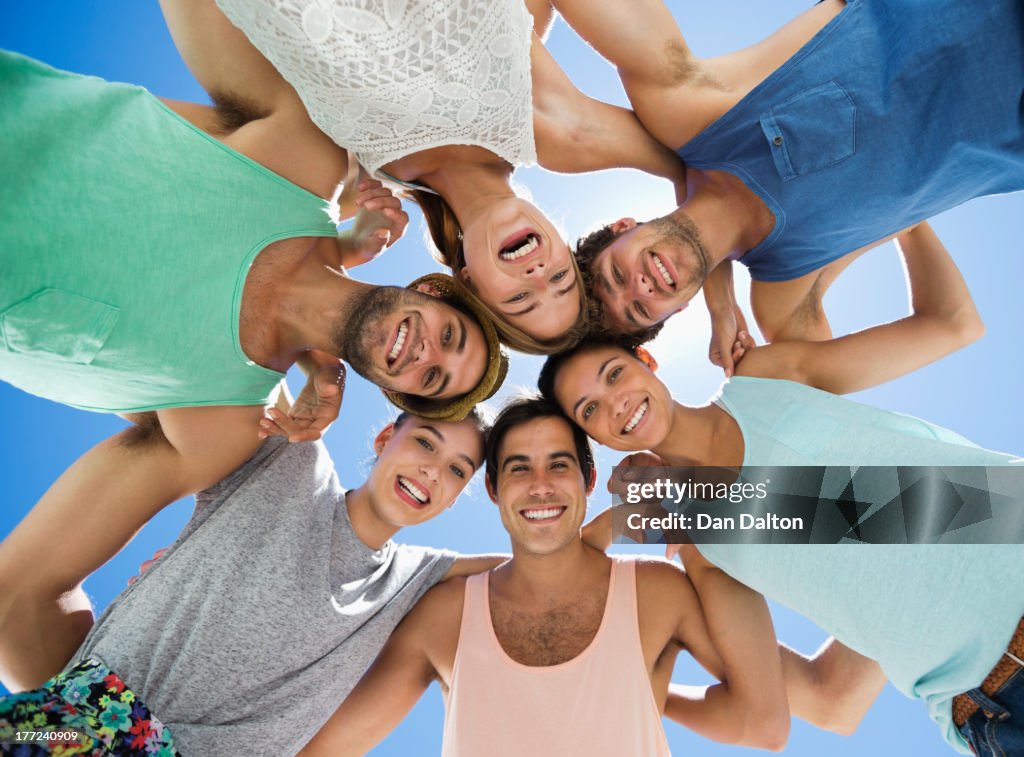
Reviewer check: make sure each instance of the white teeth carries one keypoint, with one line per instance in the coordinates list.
(528, 246)
(418, 494)
(541, 514)
(637, 417)
(403, 329)
(663, 271)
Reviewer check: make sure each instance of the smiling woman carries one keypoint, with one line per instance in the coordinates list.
(450, 121)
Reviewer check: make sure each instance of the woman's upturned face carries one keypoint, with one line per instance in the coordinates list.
(422, 468)
(518, 263)
(615, 398)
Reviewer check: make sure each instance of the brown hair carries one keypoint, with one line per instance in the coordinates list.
(587, 250)
(447, 249)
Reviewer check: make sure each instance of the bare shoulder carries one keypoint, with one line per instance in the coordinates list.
(441, 607)
(659, 581)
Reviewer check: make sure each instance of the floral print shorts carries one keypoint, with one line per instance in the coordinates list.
(86, 711)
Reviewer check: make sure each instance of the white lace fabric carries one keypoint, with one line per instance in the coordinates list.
(387, 78)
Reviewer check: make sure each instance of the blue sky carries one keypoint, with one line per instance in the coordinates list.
(975, 392)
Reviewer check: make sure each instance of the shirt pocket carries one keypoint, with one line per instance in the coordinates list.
(811, 131)
(58, 324)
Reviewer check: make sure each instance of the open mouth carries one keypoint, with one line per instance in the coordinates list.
(661, 269)
(398, 343)
(411, 492)
(636, 418)
(543, 514)
(519, 246)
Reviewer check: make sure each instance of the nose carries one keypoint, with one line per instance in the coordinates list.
(619, 404)
(540, 484)
(429, 472)
(425, 352)
(641, 284)
(535, 268)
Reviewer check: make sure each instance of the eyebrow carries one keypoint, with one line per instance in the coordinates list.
(473, 465)
(462, 336)
(533, 306)
(600, 372)
(514, 459)
(444, 385)
(434, 431)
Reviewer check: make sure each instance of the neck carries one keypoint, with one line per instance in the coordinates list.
(311, 302)
(469, 179)
(371, 530)
(731, 218)
(550, 576)
(691, 437)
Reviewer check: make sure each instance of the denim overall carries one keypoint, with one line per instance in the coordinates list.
(895, 111)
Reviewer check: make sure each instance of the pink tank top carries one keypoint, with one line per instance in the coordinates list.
(599, 703)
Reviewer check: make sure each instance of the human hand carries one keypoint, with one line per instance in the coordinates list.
(147, 564)
(314, 410)
(729, 338)
(630, 470)
(379, 223)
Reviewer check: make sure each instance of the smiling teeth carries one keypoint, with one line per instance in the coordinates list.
(663, 271)
(528, 246)
(396, 348)
(418, 494)
(637, 417)
(541, 514)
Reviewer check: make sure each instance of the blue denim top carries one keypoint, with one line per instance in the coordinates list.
(936, 617)
(895, 111)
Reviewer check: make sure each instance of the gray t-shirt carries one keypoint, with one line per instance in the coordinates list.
(260, 619)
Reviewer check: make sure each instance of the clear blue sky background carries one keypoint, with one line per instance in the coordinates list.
(975, 392)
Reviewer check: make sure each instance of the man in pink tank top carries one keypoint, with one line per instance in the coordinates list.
(563, 649)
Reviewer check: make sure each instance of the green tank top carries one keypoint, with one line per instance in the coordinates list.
(126, 234)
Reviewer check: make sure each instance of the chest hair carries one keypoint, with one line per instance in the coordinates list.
(547, 636)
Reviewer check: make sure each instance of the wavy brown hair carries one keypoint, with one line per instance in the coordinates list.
(447, 249)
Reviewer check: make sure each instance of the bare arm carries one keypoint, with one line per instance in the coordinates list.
(834, 688)
(943, 319)
(397, 679)
(749, 706)
(279, 134)
(94, 509)
(576, 133)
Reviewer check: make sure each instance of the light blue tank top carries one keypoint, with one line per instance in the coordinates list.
(936, 617)
(894, 112)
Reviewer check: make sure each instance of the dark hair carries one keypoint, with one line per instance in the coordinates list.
(549, 371)
(448, 250)
(525, 409)
(587, 250)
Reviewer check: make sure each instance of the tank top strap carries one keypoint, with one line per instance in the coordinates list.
(476, 613)
(620, 630)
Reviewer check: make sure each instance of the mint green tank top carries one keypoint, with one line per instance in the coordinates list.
(937, 617)
(126, 234)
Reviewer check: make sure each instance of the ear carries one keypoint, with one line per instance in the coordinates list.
(463, 274)
(646, 358)
(490, 489)
(623, 224)
(429, 289)
(383, 438)
(592, 481)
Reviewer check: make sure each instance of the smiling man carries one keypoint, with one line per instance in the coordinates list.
(852, 122)
(563, 649)
(192, 261)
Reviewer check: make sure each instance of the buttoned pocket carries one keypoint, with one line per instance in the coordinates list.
(809, 132)
(59, 324)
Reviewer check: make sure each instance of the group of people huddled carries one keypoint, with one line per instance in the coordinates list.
(180, 294)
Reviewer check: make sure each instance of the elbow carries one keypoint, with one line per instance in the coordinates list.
(767, 730)
(969, 327)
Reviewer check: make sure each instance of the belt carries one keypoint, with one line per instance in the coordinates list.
(1010, 662)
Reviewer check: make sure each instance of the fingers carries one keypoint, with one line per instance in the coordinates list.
(671, 550)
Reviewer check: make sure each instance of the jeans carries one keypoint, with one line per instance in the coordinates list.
(997, 728)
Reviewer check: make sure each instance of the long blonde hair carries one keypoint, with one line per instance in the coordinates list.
(447, 249)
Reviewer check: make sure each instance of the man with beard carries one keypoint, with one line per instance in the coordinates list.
(169, 261)
(851, 123)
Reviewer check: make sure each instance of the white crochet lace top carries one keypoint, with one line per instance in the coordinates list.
(386, 78)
